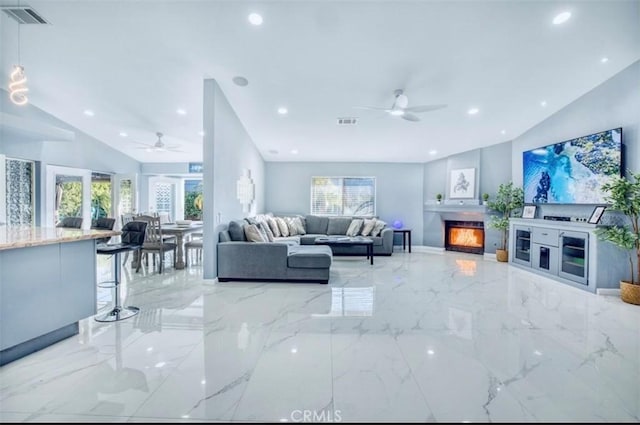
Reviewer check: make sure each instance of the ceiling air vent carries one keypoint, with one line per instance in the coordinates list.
(24, 14)
(348, 121)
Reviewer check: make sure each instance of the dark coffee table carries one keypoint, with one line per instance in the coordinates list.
(347, 241)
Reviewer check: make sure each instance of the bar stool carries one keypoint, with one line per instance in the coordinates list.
(132, 236)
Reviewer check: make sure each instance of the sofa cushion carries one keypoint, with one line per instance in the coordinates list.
(378, 228)
(377, 240)
(236, 230)
(289, 240)
(253, 234)
(367, 226)
(354, 227)
(310, 238)
(338, 225)
(309, 257)
(316, 224)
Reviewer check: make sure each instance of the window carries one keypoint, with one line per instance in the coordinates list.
(20, 199)
(355, 196)
(164, 197)
(193, 199)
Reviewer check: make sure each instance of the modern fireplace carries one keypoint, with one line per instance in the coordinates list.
(464, 236)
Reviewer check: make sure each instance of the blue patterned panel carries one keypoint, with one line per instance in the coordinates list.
(20, 196)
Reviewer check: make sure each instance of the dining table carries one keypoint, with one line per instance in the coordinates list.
(180, 231)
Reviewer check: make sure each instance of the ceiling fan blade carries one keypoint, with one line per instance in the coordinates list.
(373, 108)
(409, 117)
(424, 108)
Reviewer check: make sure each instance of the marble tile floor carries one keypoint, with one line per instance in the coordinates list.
(417, 337)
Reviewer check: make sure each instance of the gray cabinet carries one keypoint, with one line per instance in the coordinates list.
(574, 248)
(569, 252)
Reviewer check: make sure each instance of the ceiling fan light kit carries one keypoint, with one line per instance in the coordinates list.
(401, 108)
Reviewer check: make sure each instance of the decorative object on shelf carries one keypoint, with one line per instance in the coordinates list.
(462, 183)
(439, 198)
(246, 190)
(485, 198)
(529, 211)
(623, 194)
(596, 215)
(508, 199)
(398, 224)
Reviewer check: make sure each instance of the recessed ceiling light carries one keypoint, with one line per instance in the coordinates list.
(543, 103)
(294, 151)
(200, 133)
(561, 18)
(160, 364)
(397, 112)
(123, 134)
(503, 132)
(181, 111)
(604, 60)
(240, 81)
(433, 152)
(294, 350)
(473, 111)
(255, 19)
(430, 352)
(89, 112)
(283, 111)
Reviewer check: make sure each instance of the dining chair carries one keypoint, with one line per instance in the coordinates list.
(70, 223)
(154, 242)
(194, 244)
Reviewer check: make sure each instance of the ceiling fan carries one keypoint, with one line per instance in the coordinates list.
(400, 107)
(158, 146)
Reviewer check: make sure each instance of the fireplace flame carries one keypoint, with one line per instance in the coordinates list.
(466, 237)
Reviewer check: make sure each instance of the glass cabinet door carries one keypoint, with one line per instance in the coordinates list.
(573, 262)
(522, 246)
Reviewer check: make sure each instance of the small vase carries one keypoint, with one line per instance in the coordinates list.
(438, 202)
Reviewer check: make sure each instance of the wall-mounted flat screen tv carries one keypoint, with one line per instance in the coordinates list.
(573, 171)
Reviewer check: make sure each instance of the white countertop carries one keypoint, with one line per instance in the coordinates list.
(12, 237)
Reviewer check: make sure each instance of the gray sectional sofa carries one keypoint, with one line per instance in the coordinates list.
(291, 258)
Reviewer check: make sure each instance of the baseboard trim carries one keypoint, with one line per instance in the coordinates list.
(490, 257)
(428, 249)
(608, 291)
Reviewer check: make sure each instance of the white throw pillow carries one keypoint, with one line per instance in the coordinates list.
(378, 228)
(367, 226)
(282, 225)
(252, 233)
(354, 227)
(273, 225)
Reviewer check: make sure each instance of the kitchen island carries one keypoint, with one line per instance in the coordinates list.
(47, 284)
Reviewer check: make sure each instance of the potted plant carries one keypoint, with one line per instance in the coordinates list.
(439, 197)
(623, 194)
(485, 198)
(508, 199)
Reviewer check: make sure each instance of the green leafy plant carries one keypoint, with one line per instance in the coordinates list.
(485, 197)
(508, 200)
(623, 194)
(439, 197)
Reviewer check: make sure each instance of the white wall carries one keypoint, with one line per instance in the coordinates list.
(228, 151)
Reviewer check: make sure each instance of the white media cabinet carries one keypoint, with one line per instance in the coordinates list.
(569, 252)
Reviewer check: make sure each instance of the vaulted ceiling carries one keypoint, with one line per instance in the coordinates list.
(135, 63)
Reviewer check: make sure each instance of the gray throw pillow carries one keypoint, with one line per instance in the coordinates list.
(367, 226)
(267, 230)
(378, 228)
(252, 233)
(236, 231)
(354, 227)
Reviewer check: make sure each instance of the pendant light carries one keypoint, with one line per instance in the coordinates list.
(17, 80)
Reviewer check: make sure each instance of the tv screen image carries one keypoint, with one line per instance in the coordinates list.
(573, 171)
